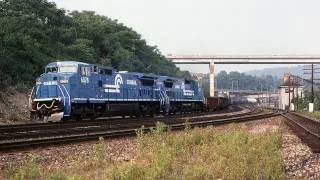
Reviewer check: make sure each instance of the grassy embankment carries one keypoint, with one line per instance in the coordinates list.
(201, 153)
(315, 114)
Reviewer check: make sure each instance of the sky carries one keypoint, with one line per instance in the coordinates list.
(216, 26)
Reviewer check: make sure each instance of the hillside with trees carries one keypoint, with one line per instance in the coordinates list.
(35, 32)
(278, 71)
(224, 80)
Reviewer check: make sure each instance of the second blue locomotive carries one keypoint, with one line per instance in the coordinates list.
(70, 89)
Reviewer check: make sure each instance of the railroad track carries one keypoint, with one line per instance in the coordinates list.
(71, 135)
(114, 120)
(58, 129)
(308, 130)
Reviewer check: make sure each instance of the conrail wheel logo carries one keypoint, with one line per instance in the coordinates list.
(109, 88)
(118, 80)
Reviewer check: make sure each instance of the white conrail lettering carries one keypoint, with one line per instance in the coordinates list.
(50, 83)
(132, 82)
(188, 93)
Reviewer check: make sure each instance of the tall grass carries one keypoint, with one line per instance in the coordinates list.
(29, 169)
(201, 153)
(207, 153)
(315, 114)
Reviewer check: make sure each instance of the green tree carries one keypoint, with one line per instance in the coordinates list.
(35, 32)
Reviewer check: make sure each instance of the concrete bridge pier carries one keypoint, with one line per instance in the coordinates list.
(211, 78)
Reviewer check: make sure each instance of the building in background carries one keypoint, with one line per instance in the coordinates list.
(288, 90)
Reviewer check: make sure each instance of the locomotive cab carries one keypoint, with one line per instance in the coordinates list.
(50, 99)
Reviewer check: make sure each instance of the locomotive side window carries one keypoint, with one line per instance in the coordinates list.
(105, 71)
(95, 69)
(108, 72)
(168, 84)
(85, 71)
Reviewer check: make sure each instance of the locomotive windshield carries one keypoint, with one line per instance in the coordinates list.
(51, 69)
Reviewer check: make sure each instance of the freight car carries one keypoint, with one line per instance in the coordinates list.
(216, 103)
(70, 89)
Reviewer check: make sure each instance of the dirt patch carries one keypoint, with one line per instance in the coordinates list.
(13, 108)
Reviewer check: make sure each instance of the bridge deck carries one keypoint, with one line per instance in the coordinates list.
(244, 59)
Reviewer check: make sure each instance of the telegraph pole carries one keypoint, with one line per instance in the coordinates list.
(312, 72)
(312, 92)
(289, 92)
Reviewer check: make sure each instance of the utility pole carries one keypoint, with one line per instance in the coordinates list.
(312, 72)
(289, 92)
(312, 92)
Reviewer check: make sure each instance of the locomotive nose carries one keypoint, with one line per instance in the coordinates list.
(51, 97)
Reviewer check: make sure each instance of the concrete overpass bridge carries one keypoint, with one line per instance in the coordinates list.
(241, 59)
(245, 92)
(238, 95)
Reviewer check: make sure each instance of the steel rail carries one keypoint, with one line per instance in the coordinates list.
(58, 125)
(307, 129)
(5, 146)
(91, 127)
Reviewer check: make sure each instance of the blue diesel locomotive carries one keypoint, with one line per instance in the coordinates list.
(77, 90)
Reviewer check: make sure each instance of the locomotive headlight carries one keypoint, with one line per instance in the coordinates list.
(64, 81)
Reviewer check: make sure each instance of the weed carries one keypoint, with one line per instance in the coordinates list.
(99, 153)
(187, 125)
(58, 176)
(159, 129)
(30, 169)
(200, 153)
